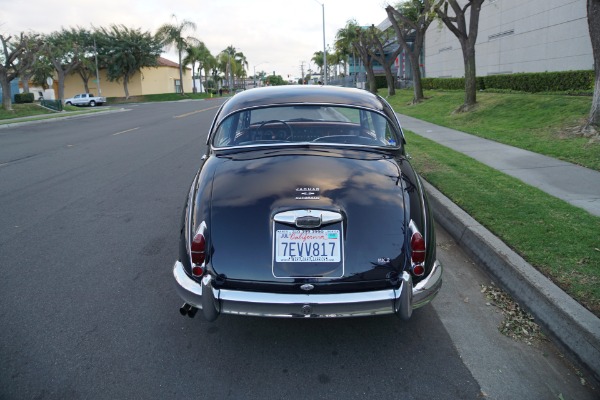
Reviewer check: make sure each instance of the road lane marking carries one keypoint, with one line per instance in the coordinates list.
(195, 112)
(128, 130)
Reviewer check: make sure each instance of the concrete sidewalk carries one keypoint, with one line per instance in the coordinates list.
(575, 329)
(576, 185)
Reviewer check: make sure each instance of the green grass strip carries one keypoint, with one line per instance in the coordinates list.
(558, 239)
(149, 98)
(23, 110)
(544, 124)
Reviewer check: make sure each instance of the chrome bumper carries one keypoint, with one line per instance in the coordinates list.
(214, 302)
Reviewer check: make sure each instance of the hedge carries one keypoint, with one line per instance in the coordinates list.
(23, 98)
(563, 81)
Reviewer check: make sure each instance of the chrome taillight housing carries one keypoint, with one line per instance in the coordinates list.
(417, 251)
(198, 251)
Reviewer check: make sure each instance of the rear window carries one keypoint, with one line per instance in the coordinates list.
(305, 123)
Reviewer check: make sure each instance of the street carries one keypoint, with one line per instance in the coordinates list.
(90, 214)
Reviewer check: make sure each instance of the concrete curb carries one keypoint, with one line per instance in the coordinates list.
(575, 329)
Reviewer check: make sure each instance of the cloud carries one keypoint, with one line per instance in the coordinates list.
(282, 33)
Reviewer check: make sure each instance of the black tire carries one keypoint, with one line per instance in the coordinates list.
(92, 103)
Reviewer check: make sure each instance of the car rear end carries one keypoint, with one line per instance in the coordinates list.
(316, 223)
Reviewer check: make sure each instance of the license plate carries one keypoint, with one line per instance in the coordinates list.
(307, 246)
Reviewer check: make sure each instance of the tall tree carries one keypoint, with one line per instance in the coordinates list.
(593, 15)
(42, 70)
(64, 50)
(343, 46)
(15, 56)
(343, 40)
(333, 61)
(27, 59)
(319, 61)
(209, 63)
(223, 66)
(86, 69)
(455, 18)
(410, 20)
(173, 35)
(124, 52)
(236, 64)
(240, 65)
(362, 46)
(194, 55)
(381, 50)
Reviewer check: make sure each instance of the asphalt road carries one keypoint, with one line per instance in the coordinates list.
(89, 217)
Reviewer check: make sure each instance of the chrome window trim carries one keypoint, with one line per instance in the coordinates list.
(304, 144)
(215, 126)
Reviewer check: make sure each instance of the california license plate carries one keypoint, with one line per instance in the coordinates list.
(318, 246)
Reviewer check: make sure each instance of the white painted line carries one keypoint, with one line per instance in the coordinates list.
(195, 112)
(128, 130)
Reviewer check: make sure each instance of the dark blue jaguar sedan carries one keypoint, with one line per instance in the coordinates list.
(306, 205)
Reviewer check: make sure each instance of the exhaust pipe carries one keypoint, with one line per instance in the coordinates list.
(185, 309)
(192, 312)
(188, 309)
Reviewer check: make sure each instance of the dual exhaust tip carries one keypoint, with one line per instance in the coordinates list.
(188, 309)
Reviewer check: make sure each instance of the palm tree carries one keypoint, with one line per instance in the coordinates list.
(318, 60)
(223, 65)
(209, 63)
(241, 64)
(194, 55)
(172, 35)
(333, 61)
(236, 63)
(343, 41)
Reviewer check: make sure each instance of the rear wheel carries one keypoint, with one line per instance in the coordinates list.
(92, 103)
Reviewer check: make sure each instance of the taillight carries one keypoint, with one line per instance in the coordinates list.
(198, 251)
(417, 257)
(417, 244)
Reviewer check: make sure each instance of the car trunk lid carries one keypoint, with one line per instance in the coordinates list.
(251, 193)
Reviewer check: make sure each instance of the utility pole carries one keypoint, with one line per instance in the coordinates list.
(302, 72)
(97, 74)
(324, 49)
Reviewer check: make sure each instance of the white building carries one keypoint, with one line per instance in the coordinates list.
(516, 36)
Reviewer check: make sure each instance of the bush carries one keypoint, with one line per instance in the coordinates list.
(542, 81)
(443, 83)
(381, 82)
(563, 81)
(21, 98)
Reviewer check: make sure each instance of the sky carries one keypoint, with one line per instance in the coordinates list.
(274, 35)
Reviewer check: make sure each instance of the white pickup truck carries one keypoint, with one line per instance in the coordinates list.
(85, 99)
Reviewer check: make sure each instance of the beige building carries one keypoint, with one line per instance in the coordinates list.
(516, 36)
(154, 80)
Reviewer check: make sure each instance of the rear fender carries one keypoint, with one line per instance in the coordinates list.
(420, 213)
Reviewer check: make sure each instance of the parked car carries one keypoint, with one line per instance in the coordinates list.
(306, 205)
(85, 99)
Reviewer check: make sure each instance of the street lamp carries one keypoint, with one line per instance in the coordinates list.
(324, 48)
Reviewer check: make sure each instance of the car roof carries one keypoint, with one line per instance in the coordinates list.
(303, 94)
